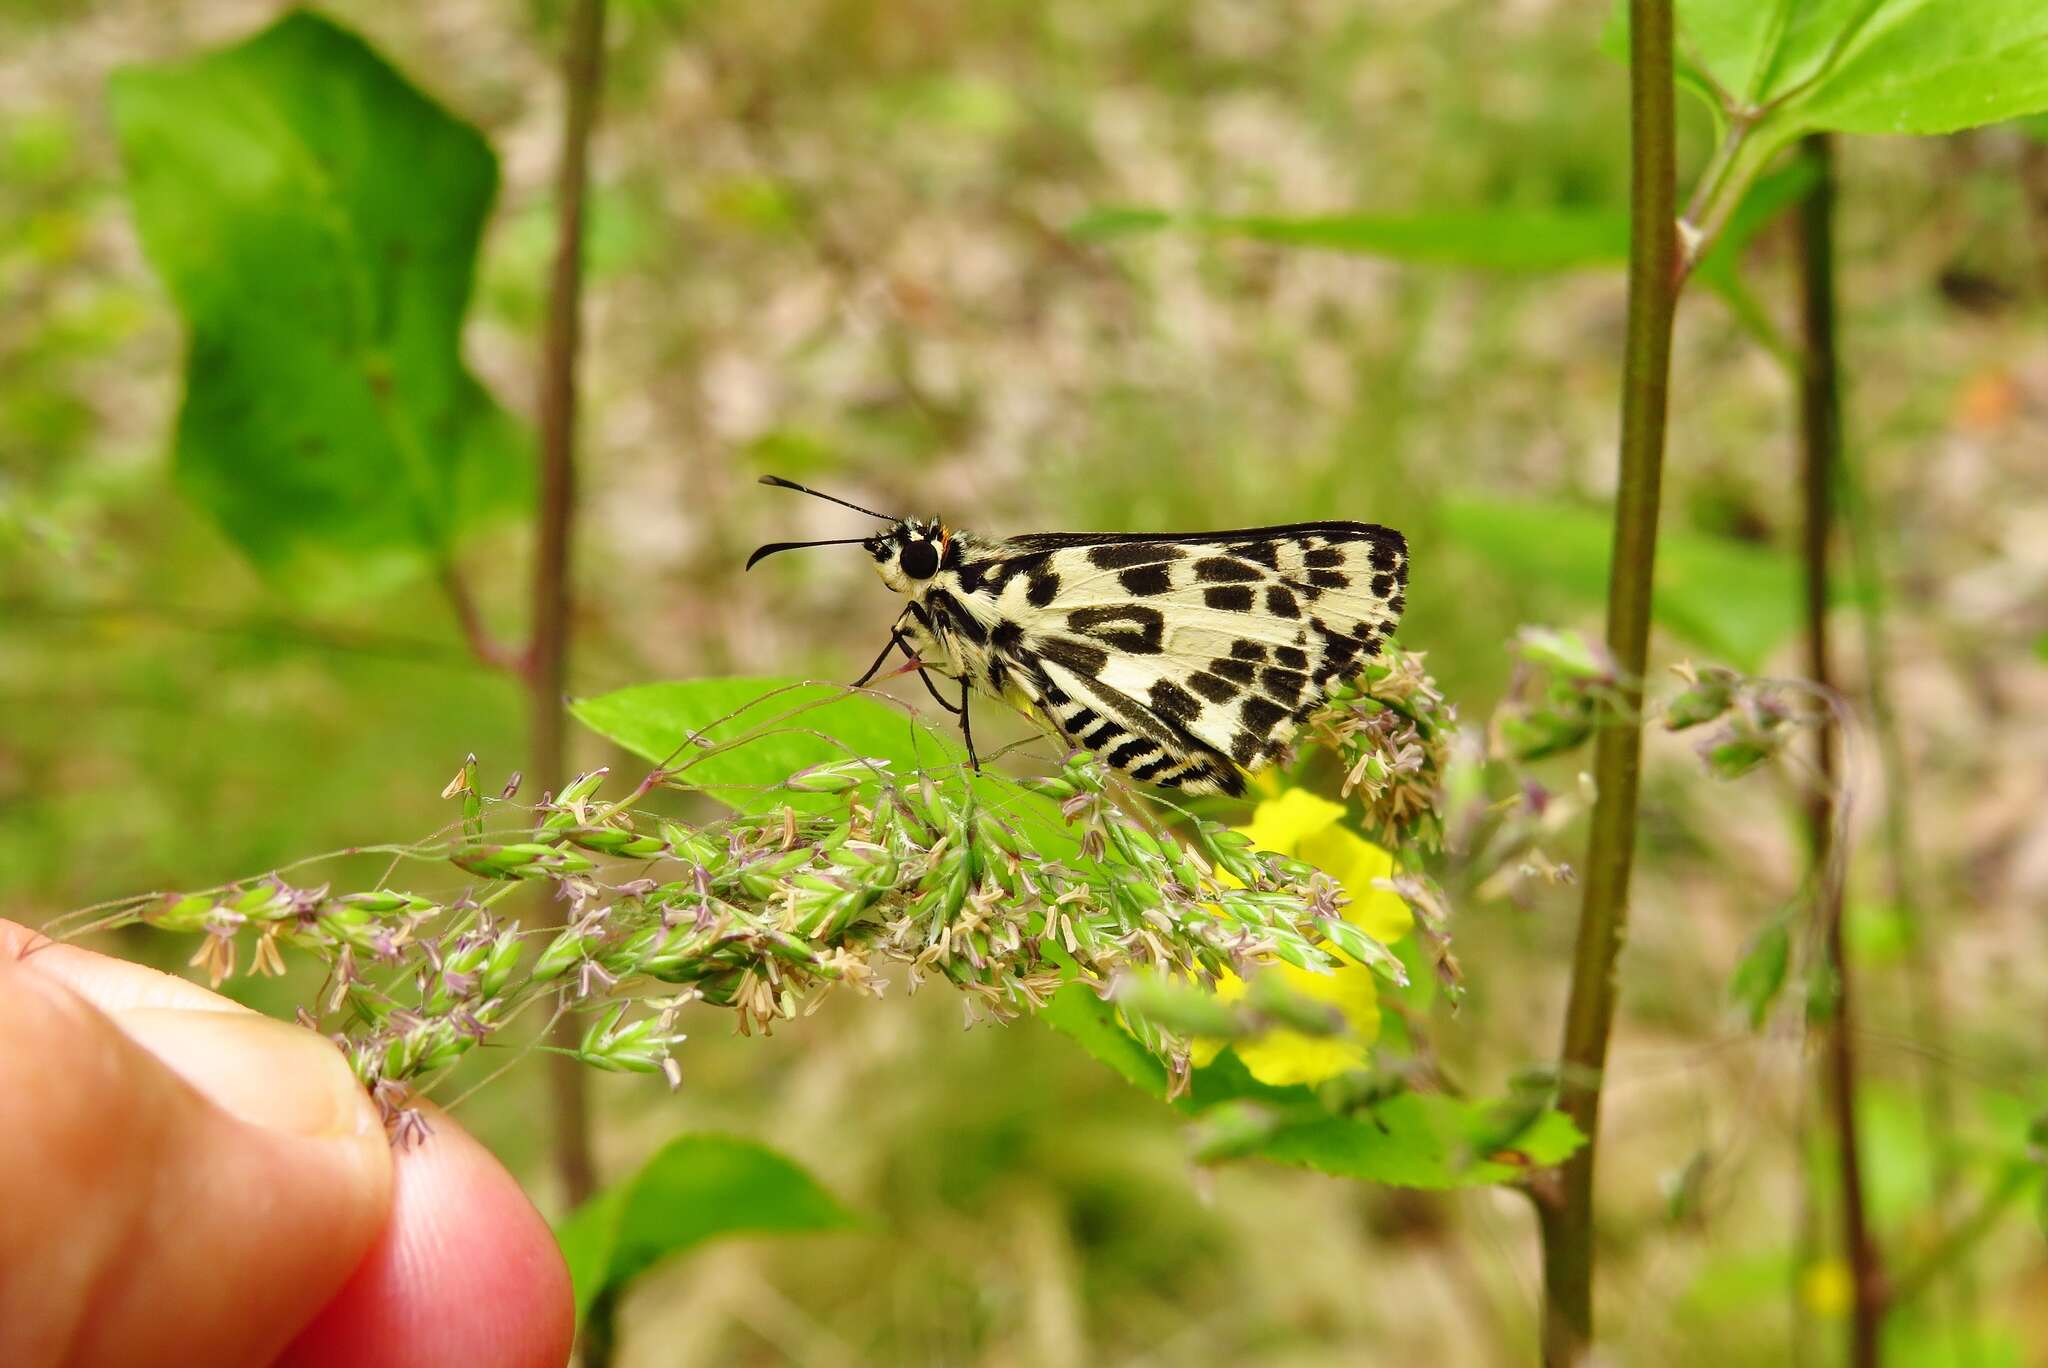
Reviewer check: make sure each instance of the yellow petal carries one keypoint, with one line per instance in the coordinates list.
(1826, 1288)
(1355, 862)
(1282, 1057)
(1302, 825)
(1204, 1049)
(1282, 824)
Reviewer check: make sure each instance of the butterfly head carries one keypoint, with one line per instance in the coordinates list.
(909, 552)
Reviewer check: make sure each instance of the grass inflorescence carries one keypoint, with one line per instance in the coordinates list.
(1007, 890)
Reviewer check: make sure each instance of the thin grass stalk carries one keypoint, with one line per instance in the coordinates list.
(1820, 447)
(1565, 1209)
(582, 78)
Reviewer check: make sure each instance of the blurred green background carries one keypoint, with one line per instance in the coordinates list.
(831, 240)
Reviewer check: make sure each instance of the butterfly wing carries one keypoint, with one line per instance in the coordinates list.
(1183, 659)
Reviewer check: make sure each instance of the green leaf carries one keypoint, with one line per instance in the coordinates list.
(1926, 66)
(1864, 66)
(1733, 598)
(1115, 221)
(315, 217)
(762, 731)
(1077, 1013)
(1760, 973)
(2041, 646)
(1501, 239)
(781, 725)
(695, 1188)
(1407, 1139)
(1423, 1140)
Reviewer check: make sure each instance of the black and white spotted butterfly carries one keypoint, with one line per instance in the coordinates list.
(1180, 658)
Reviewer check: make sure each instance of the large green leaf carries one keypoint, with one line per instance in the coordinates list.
(1406, 1139)
(1504, 239)
(1864, 66)
(316, 218)
(697, 1187)
(1733, 598)
(768, 730)
(762, 731)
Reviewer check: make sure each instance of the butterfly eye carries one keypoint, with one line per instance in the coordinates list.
(920, 559)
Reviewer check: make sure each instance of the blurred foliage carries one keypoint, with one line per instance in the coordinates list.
(316, 219)
(694, 1188)
(1736, 601)
(1403, 1137)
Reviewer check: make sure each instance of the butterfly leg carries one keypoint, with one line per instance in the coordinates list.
(895, 641)
(967, 731)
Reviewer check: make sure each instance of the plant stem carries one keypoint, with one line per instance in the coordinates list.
(1821, 445)
(582, 77)
(487, 649)
(1927, 1002)
(1567, 1221)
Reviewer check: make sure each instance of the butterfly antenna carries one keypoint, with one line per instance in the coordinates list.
(781, 483)
(772, 547)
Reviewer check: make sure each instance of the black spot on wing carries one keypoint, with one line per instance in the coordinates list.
(1280, 601)
(1266, 553)
(1262, 715)
(1174, 703)
(1210, 687)
(1117, 555)
(1043, 587)
(1247, 746)
(1292, 657)
(1132, 627)
(1101, 733)
(1242, 649)
(1229, 598)
(1382, 586)
(1323, 558)
(1207, 773)
(1078, 656)
(1284, 685)
(1329, 579)
(1384, 556)
(1224, 570)
(1137, 748)
(1153, 768)
(1241, 671)
(1146, 580)
(973, 576)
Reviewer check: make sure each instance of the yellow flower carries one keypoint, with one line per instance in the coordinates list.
(1301, 825)
(1827, 1288)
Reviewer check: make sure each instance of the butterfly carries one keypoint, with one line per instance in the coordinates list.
(1182, 659)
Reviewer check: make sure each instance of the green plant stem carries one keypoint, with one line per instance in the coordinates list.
(1821, 444)
(582, 77)
(1566, 1217)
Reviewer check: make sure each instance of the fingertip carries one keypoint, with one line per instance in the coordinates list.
(173, 1158)
(466, 1271)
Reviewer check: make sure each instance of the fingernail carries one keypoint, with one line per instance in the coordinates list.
(265, 1072)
